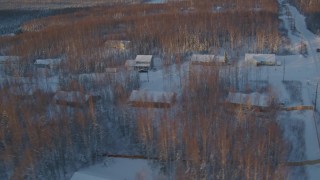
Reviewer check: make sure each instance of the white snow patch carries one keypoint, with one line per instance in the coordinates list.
(118, 169)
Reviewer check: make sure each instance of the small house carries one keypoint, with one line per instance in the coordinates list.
(254, 100)
(261, 59)
(48, 63)
(71, 98)
(151, 99)
(206, 59)
(143, 63)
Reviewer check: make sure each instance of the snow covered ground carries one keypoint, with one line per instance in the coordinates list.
(118, 169)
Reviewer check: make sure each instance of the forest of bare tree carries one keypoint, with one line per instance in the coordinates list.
(202, 136)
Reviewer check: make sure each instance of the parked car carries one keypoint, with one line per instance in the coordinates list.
(318, 49)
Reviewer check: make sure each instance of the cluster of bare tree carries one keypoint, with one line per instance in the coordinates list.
(202, 138)
(162, 28)
(41, 140)
(34, 145)
(308, 6)
(205, 138)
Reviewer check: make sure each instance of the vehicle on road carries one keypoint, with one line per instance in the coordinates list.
(318, 49)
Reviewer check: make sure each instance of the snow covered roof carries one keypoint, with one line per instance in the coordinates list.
(206, 59)
(260, 58)
(71, 96)
(143, 59)
(4, 59)
(141, 96)
(56, 61)
(118, 168)
(254, 99)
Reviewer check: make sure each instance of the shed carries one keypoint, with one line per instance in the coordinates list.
(256, 100)
(206, 59)
(48, 63)
(71, 98)
(151, 99)
(143, 63)
(261, 59)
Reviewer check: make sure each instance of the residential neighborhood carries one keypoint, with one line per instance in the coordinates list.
(159, 89)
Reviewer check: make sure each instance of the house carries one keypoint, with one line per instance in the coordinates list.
(151, 99)
(143, 63)
(253, 100)
(48, 63)
(206, 59)
(71, 98)
(261, 59)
